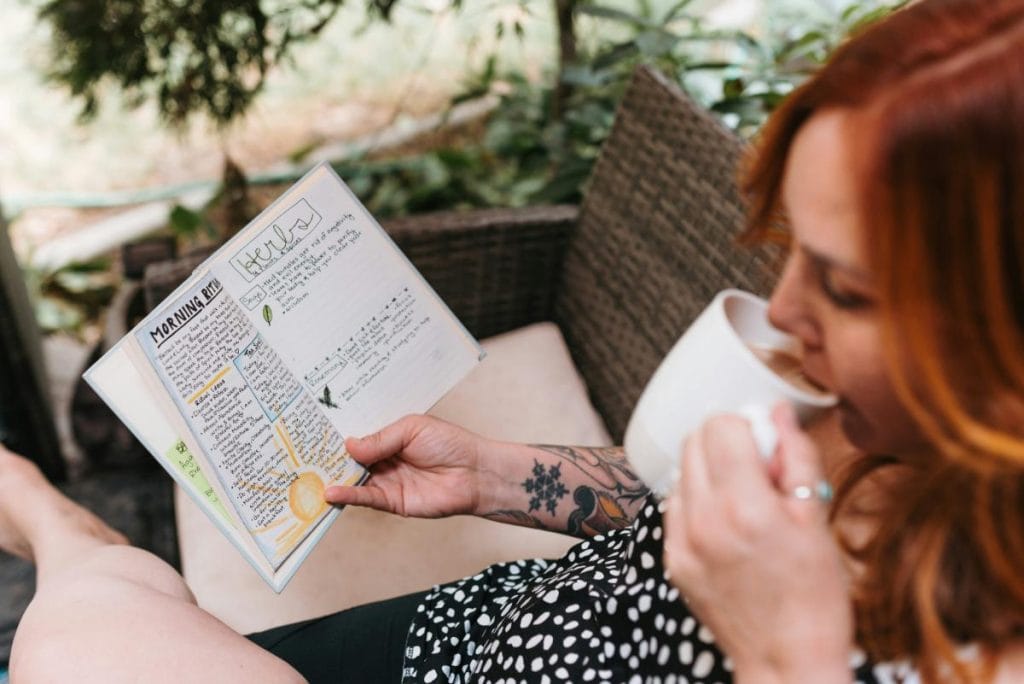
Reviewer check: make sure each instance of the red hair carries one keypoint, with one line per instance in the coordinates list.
(936, 92)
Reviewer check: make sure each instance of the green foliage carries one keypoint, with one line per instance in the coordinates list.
(737, 74)
(523, 156)
(193, 56)
(189, 224)
(67, 298)
(526, 155)
(212, 56)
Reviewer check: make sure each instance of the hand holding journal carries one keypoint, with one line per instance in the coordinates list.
(307, 327)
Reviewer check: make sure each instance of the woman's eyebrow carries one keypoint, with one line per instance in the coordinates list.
(831, 263)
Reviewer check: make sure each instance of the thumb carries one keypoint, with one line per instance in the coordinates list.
(799, 462)
(384, 443)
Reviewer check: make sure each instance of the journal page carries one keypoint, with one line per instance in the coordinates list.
(359, 328)
(272, 448)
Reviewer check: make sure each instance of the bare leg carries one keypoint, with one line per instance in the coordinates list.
(106, 611)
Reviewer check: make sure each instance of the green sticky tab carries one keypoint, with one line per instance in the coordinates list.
(187, 465)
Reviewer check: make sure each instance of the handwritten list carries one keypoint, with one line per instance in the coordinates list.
(272, 448)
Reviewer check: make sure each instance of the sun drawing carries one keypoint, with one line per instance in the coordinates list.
(305, 492)
(306, 496)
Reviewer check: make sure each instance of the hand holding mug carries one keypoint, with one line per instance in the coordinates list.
(757, 565)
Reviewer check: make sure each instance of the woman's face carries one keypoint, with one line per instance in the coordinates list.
(827, 297)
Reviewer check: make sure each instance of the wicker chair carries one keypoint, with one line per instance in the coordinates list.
(622, 275)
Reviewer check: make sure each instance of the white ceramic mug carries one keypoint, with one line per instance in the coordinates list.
(713, 369)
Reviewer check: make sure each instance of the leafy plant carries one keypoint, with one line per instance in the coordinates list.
(208, 56)
(521, 156)
(65, 299)
(738, 74)
(531, 152)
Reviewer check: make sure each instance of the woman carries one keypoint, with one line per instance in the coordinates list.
(900, 168)
(900, 172)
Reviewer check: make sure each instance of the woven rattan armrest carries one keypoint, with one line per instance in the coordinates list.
(496, 268)
(161, 278)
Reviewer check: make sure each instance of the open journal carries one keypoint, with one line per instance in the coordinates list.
(307, 327)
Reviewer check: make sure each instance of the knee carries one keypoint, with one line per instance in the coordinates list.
(116, 568)
(42, 658)
(70, 627)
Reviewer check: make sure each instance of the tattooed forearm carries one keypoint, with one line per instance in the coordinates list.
(606, 494)
(606, 467)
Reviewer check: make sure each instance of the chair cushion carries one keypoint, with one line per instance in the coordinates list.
(525, 390)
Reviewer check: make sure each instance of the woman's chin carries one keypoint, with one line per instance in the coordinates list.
(857, 431)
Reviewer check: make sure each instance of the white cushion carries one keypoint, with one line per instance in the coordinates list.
(526, 390)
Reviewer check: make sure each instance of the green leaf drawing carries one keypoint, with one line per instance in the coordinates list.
(268, 315)
(326, 398)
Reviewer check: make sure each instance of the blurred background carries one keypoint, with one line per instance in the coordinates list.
(138, 130)
(423, 104)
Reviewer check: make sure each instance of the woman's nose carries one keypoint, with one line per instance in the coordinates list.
(778, 313)
(787, 308)
(781, 304)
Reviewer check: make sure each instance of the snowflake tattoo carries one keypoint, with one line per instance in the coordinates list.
(545, 486)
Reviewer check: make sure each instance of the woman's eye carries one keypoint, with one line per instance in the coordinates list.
(844, 298)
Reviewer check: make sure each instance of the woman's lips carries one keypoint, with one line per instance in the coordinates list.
(816, 380)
